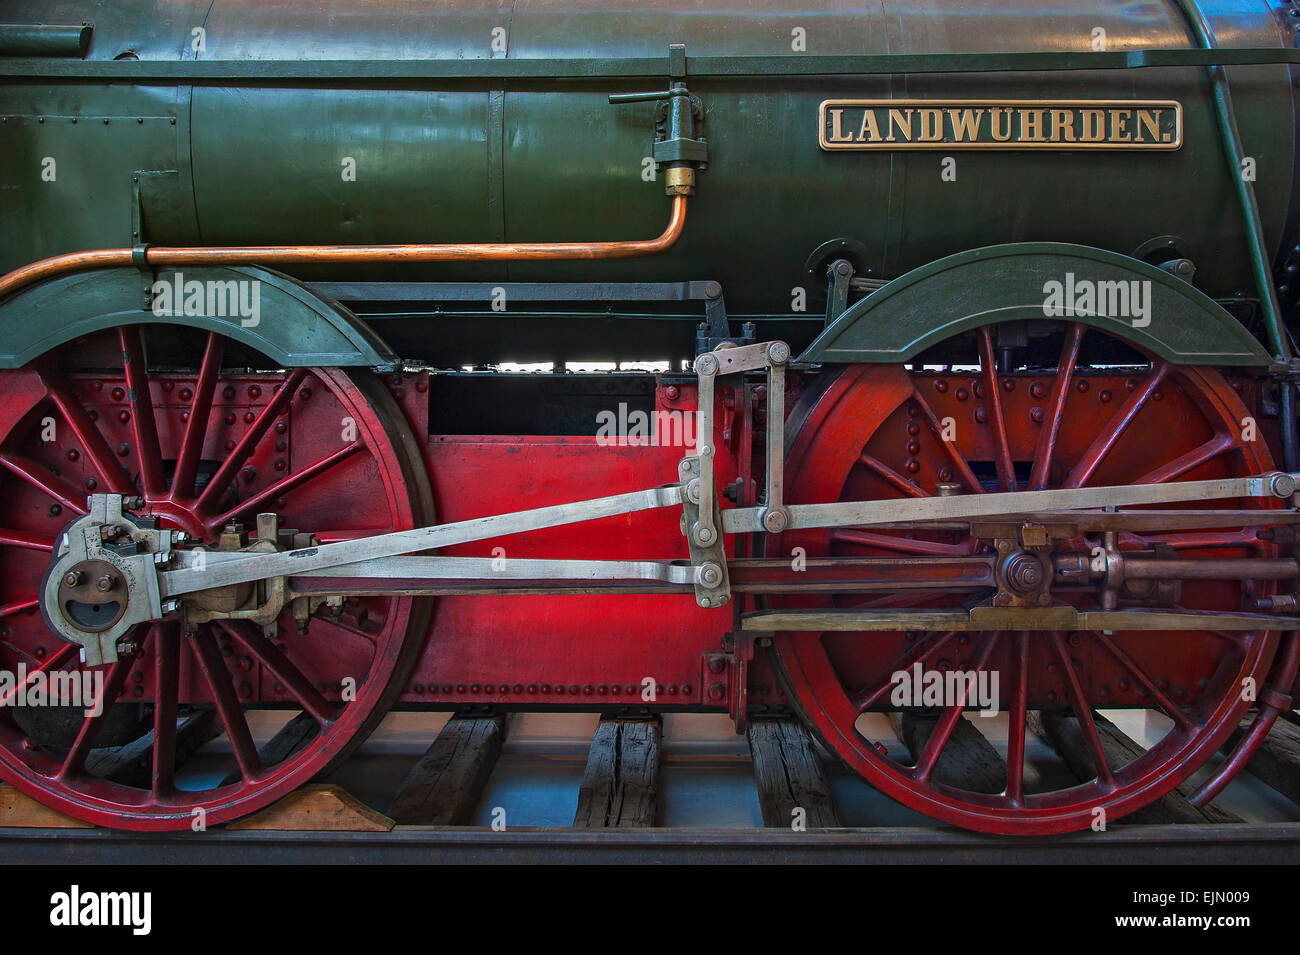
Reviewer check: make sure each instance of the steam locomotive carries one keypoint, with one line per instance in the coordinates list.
(364, 356)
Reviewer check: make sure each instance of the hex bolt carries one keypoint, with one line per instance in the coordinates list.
(708, 574)
(73, 578)
(1281, 484)
(693, 490)
(104, 584)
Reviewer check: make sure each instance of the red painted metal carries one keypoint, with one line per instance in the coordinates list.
(217, 445)
(273, 440)
(874, 432)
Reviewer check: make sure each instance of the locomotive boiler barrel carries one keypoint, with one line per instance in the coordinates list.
(384, 160)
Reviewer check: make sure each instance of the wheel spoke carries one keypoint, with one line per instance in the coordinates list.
(286, 484)
(901, 483)
(929, 644)
(900, 545)
(76, 759)
(1192, 459)
(950, 447)
(48, 484)
(285, 671)
(1017, 723)
(248, 443)
(56, 660)
(1046, 446)
(89, 436)
(1118, 423)
(943, 730)
(166, 649)
(143, 423)
(24, 539)
(8, 610)
(1081, 709)
(1164, 702)
(993, 392)
(196, 428)
(227, 703)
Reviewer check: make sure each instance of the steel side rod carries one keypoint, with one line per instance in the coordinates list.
(285, 563)
(230, 569)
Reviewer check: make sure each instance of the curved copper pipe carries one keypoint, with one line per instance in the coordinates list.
(300, 254)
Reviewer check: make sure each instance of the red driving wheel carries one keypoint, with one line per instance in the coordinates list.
(874, 432)
(197, 426)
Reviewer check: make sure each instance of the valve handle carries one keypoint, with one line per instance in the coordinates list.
(617, 98)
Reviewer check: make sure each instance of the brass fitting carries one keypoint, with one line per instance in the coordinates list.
(679, 181)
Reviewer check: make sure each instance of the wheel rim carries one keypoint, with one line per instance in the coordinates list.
(875, 431)
(327, 450)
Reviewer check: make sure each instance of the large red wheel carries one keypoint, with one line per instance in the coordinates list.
(876, 432)
(207, 447)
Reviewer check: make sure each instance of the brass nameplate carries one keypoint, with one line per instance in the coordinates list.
(999, 124)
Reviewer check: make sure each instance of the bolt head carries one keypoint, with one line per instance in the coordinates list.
(778, 352)
(73, 578)
(104, 584)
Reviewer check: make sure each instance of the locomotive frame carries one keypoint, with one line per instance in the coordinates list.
(169, 538)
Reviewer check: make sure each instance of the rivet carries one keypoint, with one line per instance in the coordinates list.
(1036, 415)
(73, 454)
(1038, 390)
(254, 391)
(962, 394)
(1105, 396)
(118, 394)
(124, 416)
(123, 450)
(913, 428)
(249, 417)
(981, 415)
(186, 394)
(1082, 386)
(941, 385)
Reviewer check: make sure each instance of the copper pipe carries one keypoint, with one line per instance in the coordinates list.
(300, 254)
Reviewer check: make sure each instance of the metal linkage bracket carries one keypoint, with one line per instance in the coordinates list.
(772, 356)
(708, 560)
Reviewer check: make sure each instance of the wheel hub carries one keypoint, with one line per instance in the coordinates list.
(101, 582)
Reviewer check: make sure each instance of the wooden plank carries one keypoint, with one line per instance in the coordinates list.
(132, 764)
(1061, 731)
(620, 787)
(1277, 761)
(445, 786)
(318, 807)
(968, 760)
(21, 811)
(291, 737)
(789, 775)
